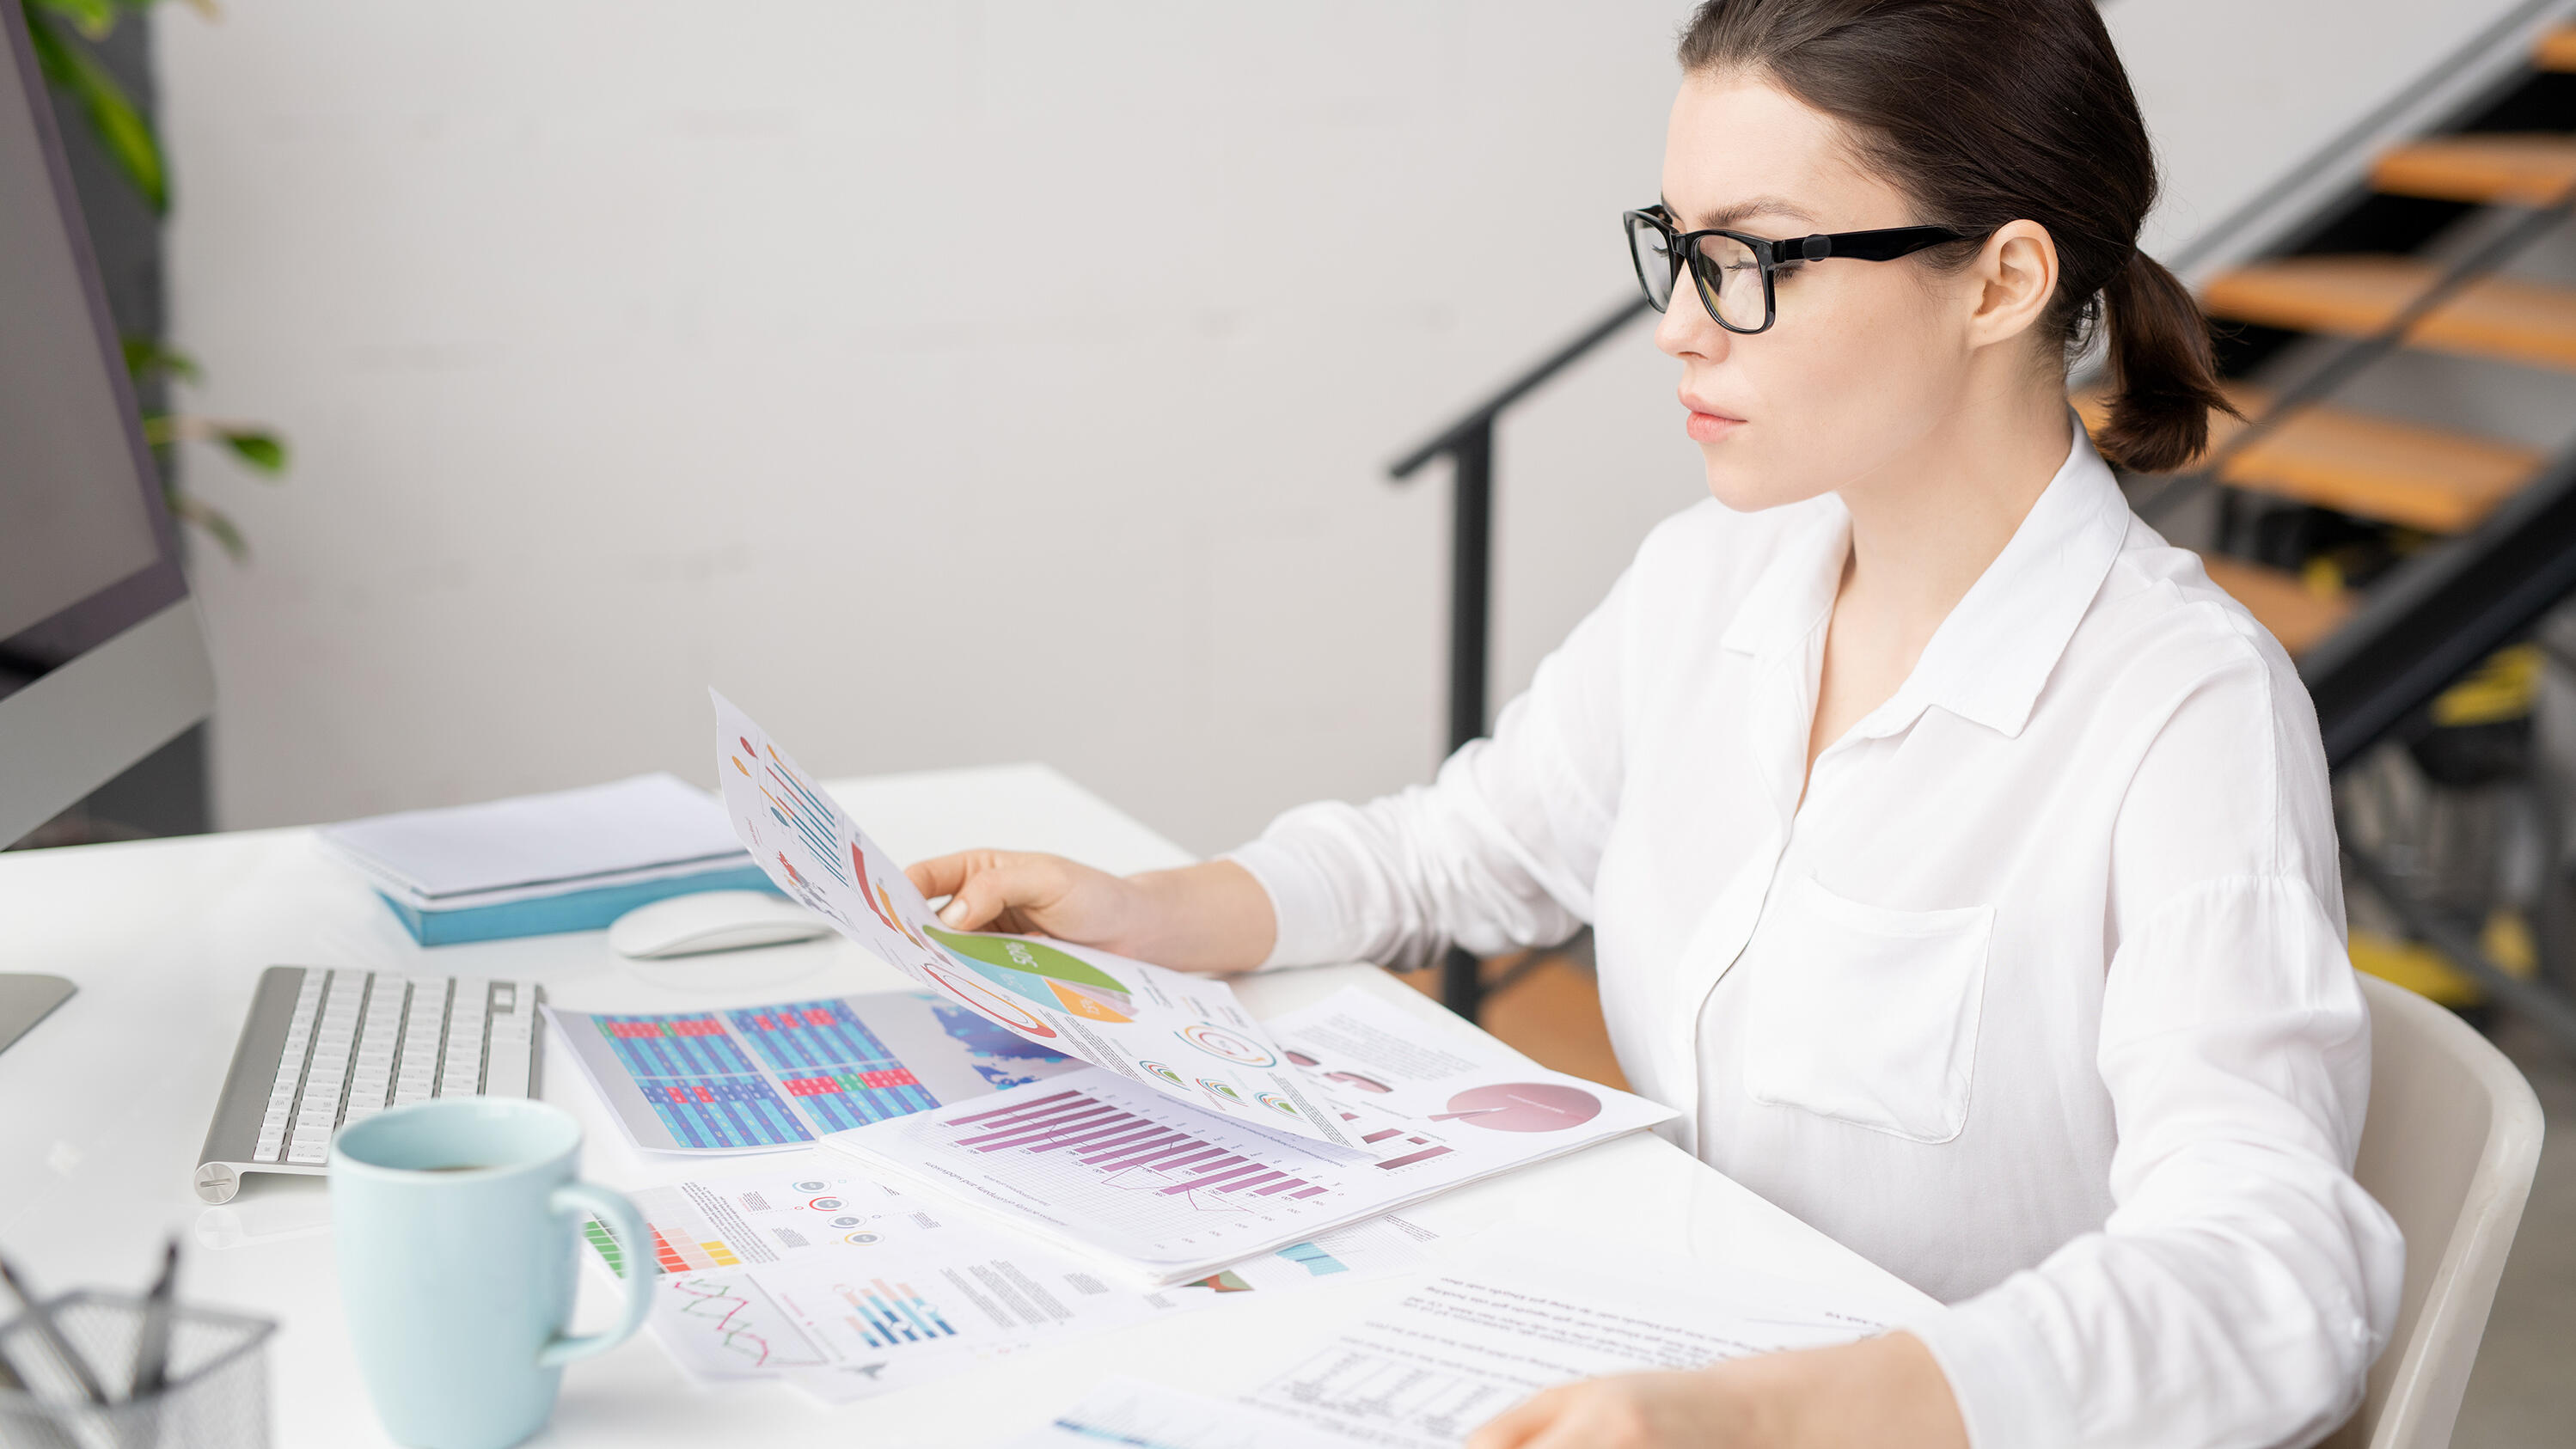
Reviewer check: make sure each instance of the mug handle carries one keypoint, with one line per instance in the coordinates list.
(620, 1215)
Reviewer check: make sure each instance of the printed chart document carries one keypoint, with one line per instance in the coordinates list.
(1092, 1163)
(1150, 1416)
(848, 1287)
(1426, 1369)
(1175, 1035)
(764, 1078)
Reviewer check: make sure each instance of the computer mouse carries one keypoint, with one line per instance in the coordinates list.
(704, 921)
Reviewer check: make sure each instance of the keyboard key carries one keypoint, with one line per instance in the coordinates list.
(506, 1075)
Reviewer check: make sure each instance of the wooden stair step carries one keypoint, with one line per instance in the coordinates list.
(2297, 615)
(2557, 49)
(2497, 317)
(2362, 464)
(2521, 170)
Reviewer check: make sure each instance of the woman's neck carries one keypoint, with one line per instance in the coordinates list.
(1927, 526)
(1923, 529)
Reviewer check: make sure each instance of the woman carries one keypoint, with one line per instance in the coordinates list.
(1960, 859)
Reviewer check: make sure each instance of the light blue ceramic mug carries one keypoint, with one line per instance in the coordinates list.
(456, 1222)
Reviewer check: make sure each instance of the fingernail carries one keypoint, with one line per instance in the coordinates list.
(953, 913)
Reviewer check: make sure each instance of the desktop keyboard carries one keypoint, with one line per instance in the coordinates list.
(325, 1048)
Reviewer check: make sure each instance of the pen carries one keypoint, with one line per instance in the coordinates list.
(152, 1342)
(43, 1323)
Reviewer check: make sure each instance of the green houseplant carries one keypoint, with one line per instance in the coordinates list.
(63, 32)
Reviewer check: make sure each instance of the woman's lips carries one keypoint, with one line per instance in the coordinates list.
(1708, 427)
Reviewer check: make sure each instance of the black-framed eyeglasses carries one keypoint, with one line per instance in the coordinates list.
(1733, 272)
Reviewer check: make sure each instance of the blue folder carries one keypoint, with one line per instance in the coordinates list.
(589, 910)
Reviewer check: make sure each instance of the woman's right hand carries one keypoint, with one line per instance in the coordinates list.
(1030, 894)
(1210, 918)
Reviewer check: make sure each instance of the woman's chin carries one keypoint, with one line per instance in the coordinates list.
(1749, 490)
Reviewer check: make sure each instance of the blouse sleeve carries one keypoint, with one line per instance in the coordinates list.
(2243, 1282)
(1500, 850)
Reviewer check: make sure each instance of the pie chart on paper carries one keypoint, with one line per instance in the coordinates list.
(1037, 972)
(1522, 1107)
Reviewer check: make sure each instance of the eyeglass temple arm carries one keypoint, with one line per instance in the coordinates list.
(1882, 245)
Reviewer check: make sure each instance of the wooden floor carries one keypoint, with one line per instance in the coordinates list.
(1544, 1004)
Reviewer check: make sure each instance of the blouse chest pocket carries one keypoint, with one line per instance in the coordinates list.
(1865, 1015)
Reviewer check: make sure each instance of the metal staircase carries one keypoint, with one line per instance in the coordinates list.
(2393, 558)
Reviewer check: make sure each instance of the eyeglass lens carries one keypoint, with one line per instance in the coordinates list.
(1652, 247)
(1727, 275)
(1730, 278)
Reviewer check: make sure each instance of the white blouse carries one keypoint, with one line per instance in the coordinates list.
(2039, 1000)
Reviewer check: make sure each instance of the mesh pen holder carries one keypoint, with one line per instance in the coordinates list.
(215, 1394)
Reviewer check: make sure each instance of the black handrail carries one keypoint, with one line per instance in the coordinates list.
(1468, 443)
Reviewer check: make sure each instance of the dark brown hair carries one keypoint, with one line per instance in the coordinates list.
(1992, 111)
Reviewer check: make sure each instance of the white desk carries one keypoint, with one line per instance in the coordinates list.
(104, 1105)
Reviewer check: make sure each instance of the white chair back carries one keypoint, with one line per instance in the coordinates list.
(2449, 1148)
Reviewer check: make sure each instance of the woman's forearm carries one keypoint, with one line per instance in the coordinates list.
(1212, 917)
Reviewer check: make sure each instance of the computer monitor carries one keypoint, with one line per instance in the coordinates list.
(101, 659)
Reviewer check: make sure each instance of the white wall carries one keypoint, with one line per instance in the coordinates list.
(946, 382)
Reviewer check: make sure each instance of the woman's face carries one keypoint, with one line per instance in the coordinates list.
(1864, 360)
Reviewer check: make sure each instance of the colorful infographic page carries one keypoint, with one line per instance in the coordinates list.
(1179, 1036)
(759, 1078)
(1094, 1164)
(848, 1287)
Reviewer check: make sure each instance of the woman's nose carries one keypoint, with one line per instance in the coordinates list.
(1686, 330)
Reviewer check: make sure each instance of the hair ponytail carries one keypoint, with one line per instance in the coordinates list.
(1992, 111)
(2164, 382)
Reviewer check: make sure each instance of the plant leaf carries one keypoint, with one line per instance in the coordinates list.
(145, 356)
(120, 127)
(93, 18)
(190, 510)
(261, 449)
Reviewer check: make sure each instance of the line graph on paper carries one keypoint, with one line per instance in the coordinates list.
(736, 1317)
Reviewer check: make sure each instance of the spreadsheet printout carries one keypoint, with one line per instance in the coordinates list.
(763, 1078)
(1183, 1036)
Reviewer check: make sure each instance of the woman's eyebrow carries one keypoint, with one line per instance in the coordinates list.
(1751, 206)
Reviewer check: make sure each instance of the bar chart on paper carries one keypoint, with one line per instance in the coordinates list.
(1102, 1164)
(1107, 1166)
(892, 1313)
(1155, 1171)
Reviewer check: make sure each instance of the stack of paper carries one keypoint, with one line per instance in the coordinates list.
(571, 861)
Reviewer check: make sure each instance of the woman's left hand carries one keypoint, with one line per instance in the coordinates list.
(1885, 1390)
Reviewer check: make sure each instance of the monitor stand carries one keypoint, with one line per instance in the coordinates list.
(25, 1000)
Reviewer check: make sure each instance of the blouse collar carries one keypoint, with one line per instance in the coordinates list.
(1992, 655)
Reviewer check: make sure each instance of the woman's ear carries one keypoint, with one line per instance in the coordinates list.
(2015, 276)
